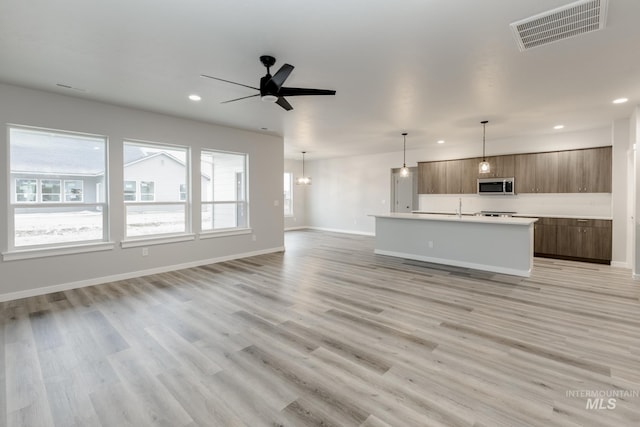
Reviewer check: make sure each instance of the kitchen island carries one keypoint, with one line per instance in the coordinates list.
(496, 244)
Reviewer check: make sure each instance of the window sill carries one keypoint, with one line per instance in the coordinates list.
(224, 233)
(149, 241)
(61, 250)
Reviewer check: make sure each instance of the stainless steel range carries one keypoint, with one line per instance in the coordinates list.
(502, 214)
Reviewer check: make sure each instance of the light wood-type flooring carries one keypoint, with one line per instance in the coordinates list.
(329, 334)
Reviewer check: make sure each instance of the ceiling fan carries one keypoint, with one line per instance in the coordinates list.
(271, 89)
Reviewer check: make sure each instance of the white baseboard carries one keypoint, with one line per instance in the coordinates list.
(124, 276)
(337, 230)
(456, 263)
(620, 264)
(301, 227)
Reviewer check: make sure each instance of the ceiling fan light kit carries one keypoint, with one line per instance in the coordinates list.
(271, 89)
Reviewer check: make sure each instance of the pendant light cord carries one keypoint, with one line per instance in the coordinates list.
(303, 163)
(404, 150)
(484, 132)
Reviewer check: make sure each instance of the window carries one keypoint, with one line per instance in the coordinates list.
(50, 190)
(47, 172)
(26, 190)
(288, 194)
(147, 192)
(130, 191)
(183, 192)
(73, 190)
(224, 191)
(152, 173)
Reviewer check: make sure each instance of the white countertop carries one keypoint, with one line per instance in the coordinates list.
(454, 218)
(521, 215)
(563, 216)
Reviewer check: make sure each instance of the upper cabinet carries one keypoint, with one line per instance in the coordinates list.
(585, 171)
(573, 171)
(500, 167)
(432, 178)
(461, 176)
(536, 172)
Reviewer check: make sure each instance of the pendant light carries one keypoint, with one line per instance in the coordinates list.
(404, 171)
(303, 180)
(484, 166)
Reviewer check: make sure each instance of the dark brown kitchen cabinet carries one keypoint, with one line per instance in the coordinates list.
(536, 172)
(585, 171)
(500, 167)
(461, 176)
(432, 178)
(577, 239)
(545, 232)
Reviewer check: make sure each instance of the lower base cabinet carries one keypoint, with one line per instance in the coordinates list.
(575, 239)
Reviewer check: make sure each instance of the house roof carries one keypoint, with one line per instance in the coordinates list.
(70, 157)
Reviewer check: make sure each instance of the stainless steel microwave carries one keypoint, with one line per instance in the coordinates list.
(496, 186)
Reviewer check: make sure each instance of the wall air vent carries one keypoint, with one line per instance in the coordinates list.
(571, 20)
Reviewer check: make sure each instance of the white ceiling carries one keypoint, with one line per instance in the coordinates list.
(433, 68)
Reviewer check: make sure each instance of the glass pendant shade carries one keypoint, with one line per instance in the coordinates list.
(484, 166)
(303, 180)
(404, 171)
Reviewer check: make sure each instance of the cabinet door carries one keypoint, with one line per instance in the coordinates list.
(423, 186)
(453, 170)
(525, 176)
(544, 239)
(596, 170)
(505, 166)
(547, 172)
(569, 240)
(570, 171)
(432, 178)
(468, 175)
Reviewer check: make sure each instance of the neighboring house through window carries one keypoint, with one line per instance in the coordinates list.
(152, 172)
(57, 181)
(224, 196)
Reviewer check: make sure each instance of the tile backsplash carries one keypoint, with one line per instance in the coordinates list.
(570, 204)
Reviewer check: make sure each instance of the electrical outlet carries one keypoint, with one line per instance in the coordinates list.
(430, 243)
(253, 236)
(145, 251)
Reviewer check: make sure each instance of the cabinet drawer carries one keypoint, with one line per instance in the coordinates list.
(573, 222)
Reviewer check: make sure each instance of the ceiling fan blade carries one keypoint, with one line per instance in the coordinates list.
(282, 74)
(284, 104)
(300, 91)
(228, 81)
(238, 99)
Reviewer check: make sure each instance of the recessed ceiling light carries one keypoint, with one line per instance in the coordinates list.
(558, 127)
(620, 100)
(441, 141)
(195, 97)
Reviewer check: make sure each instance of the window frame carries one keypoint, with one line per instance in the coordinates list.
(154, 238)
(240, 205)
(288, 214)
(14, 252)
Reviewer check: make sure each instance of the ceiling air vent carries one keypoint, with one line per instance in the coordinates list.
(561, 23)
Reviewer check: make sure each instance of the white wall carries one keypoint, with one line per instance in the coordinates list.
(346, 190)
(299, 218)
(48, 110)
(634, 199)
